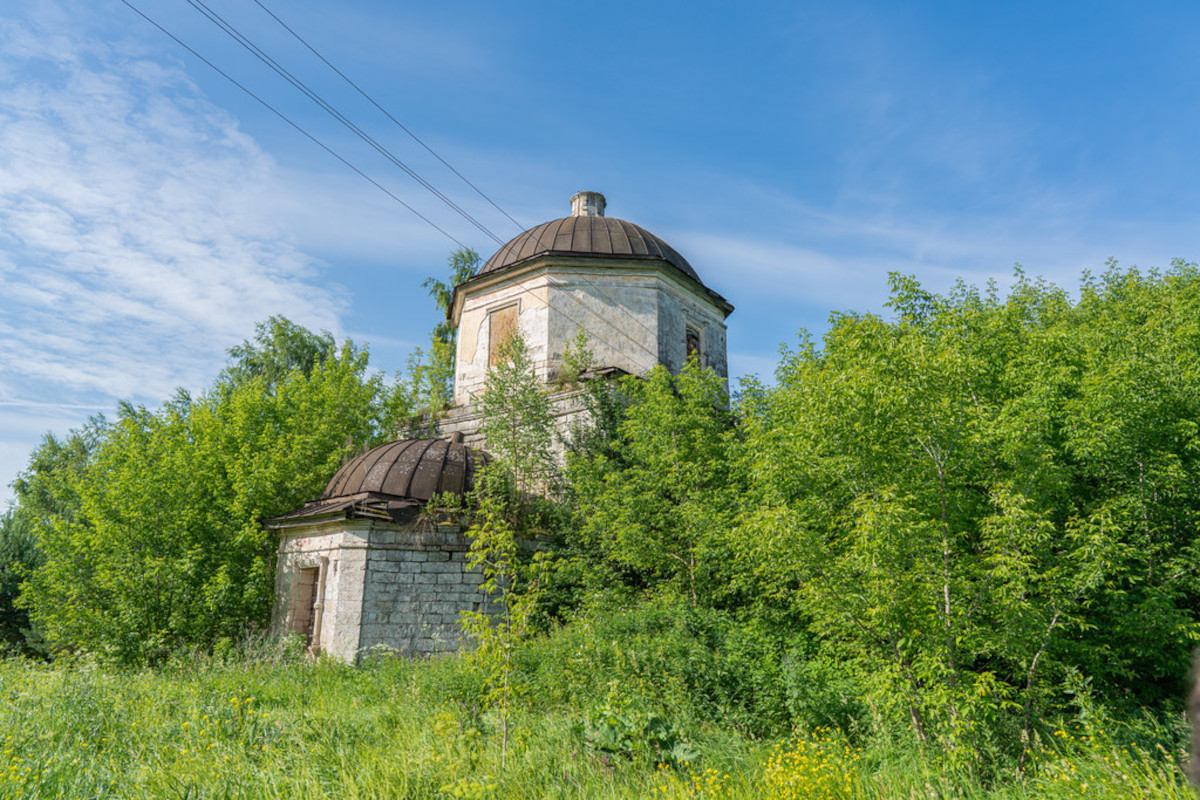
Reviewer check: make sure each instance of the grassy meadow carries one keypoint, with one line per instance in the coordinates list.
(280, 725)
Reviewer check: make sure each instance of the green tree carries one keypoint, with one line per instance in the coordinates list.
(510, 512)
(654, 507)
(19, 555)
(47, 490)
(428, 384)
(514, 580)
(47, 494)
(516, 420)
(982, 496)
(280, 347)
(166, 548)
(595, 431)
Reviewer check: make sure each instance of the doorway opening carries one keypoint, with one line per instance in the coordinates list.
(304, 603)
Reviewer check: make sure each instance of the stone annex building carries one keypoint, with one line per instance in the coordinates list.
(359, 568)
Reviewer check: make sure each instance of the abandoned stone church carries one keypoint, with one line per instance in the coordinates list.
(359, 568)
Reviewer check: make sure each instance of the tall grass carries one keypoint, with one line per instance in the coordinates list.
(238, 728)
(277, 725)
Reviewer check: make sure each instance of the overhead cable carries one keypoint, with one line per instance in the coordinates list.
(261, 55)
(605, 319)
(615, 304)
(387, 114)
(299, 85)
(283, 117)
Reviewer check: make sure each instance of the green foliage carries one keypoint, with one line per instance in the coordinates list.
(665, 657)
(516, 421)
(512, 582)
(964, 538)
(462, 265)
(48, 488)
(619, 730)
(427, 387)
(821, 690)
(280, 347)
(984, 495)
(162, 546)
(518, 430)
(655, 505)
(19, 556)
(270, 724)
(577, 357)
(291, 728)
(596, 431)
(47, 493)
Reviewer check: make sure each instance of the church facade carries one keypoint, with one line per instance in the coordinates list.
(362, 568)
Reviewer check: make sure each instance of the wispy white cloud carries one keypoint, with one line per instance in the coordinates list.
(37, 405)
(24, 424)
(135, 243)
(839, 259)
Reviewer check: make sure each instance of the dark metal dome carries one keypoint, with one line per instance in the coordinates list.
(587, 236)
(410, 468)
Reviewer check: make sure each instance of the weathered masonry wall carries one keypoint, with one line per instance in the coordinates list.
(635, 315)
(381, 586)
(416, 587)
(567, 411)
(679, 310)
(338, 551)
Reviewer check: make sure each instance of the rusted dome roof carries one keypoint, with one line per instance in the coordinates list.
(587, 232)
(587, 236)
(409, 468)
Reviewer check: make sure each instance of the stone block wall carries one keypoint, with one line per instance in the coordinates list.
(337, 549)
(417, 585)
(678, 311)
(383, 586)
(567, 411)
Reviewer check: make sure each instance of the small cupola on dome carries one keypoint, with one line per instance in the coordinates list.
(587, 204)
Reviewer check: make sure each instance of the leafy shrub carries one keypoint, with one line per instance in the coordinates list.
(619, 730)
(19, 555)
(158, 545)
(821, 692)
(669, 656)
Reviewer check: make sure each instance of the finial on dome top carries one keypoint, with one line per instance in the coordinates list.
(587, 204)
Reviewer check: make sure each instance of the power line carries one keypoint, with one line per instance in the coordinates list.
(386, 113)
(261, 55)
(283, 117)
(232, 32)
(615, 304)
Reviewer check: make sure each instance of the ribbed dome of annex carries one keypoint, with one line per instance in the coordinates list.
(414, 469)
(587, 232)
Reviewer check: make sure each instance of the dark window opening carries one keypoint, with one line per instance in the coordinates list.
(692, 344)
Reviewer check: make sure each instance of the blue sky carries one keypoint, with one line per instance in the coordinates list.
(794, 152)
